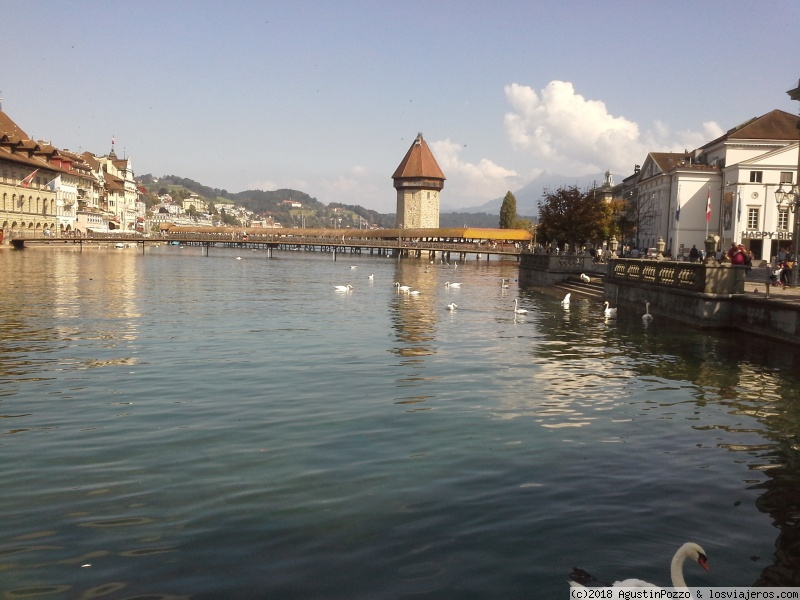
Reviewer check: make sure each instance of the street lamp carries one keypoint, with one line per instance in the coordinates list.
(791, 197)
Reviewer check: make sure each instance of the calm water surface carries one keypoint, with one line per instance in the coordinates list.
(180, 425)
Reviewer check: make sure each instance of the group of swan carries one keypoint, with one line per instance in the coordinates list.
(579, 577)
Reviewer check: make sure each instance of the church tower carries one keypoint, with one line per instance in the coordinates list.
(418, 181)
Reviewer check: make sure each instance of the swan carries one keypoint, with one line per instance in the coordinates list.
(402, 288)
(503, 283)
(647, 318)
(610, 313)
(372, 276)
(565, 301)
(413, 293)
(353, 266)
(519, 311)
(452, 306)
(585, 278)
(343, 288)
(579, 577)
(448, 284)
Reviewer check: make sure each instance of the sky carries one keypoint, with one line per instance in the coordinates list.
(326, 97)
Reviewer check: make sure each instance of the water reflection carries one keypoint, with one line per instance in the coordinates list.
(276, 419)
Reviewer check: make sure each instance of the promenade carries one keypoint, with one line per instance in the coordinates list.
(755, 286)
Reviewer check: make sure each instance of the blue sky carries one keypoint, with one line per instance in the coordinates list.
(326, 97)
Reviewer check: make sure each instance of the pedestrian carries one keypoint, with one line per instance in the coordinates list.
(738, 256)
(694, 253)
(786, 272)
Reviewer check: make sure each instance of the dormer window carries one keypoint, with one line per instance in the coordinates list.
(756, 176)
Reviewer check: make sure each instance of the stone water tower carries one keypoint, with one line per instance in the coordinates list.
(418, 181)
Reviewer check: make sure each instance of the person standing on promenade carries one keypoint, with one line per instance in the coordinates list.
(694, 254)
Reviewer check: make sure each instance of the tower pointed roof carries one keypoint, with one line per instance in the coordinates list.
(419, 163)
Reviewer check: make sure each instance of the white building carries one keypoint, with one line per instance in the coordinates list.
(725, 188)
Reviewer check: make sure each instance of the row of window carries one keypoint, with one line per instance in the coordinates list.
(754, 219)
(757, 177)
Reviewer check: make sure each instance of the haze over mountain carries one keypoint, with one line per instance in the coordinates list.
(529, 195)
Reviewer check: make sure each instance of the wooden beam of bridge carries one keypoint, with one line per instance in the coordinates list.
(321, 242)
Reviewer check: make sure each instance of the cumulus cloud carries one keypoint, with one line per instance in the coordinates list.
(472, 182)
(565, 131)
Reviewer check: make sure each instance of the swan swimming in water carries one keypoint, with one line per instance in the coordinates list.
(503, 283)
(452, 306)
(402, 288)
(579, 577)
(413, 293)
(585, 278)
(519, 311)
(647, 318)
(565, 301)
(448, 284)
(610, 313)
(372, 276)
(343, 288)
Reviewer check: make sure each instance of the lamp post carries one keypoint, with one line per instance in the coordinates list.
(791, 197)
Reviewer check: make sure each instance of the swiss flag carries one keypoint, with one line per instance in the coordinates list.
(27, 181)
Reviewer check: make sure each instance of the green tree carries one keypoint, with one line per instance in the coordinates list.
(569, 215)
(508, 211)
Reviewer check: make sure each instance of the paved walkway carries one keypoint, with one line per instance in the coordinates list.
(755, 285)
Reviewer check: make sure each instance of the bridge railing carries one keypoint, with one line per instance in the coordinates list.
(709, 278)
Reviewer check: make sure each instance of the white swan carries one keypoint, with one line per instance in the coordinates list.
(503, 283)
(579, 577)
(565, 301)
(353, 266)
(519, 311)
(452, 306)
(372, 276)
(609, 313)
(343, 288)
(413, 293)
(402, 288)
(448, 284)
(647, 318)
(585, 278)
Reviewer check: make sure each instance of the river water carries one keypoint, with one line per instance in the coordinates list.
(228, 426)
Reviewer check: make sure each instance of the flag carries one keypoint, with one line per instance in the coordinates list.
(708, 206)
(739, 207)
(54, 183)
(678, 212)
(27, 181)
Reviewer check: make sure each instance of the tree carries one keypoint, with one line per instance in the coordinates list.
(508, 211)
(569, 215)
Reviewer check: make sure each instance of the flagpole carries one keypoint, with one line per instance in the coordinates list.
(678, 225)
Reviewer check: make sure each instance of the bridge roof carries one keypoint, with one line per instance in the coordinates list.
(463, 233)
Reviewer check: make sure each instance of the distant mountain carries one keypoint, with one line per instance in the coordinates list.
(528, 196)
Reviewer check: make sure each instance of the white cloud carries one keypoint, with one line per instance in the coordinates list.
(470, 183)
(566, 132)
